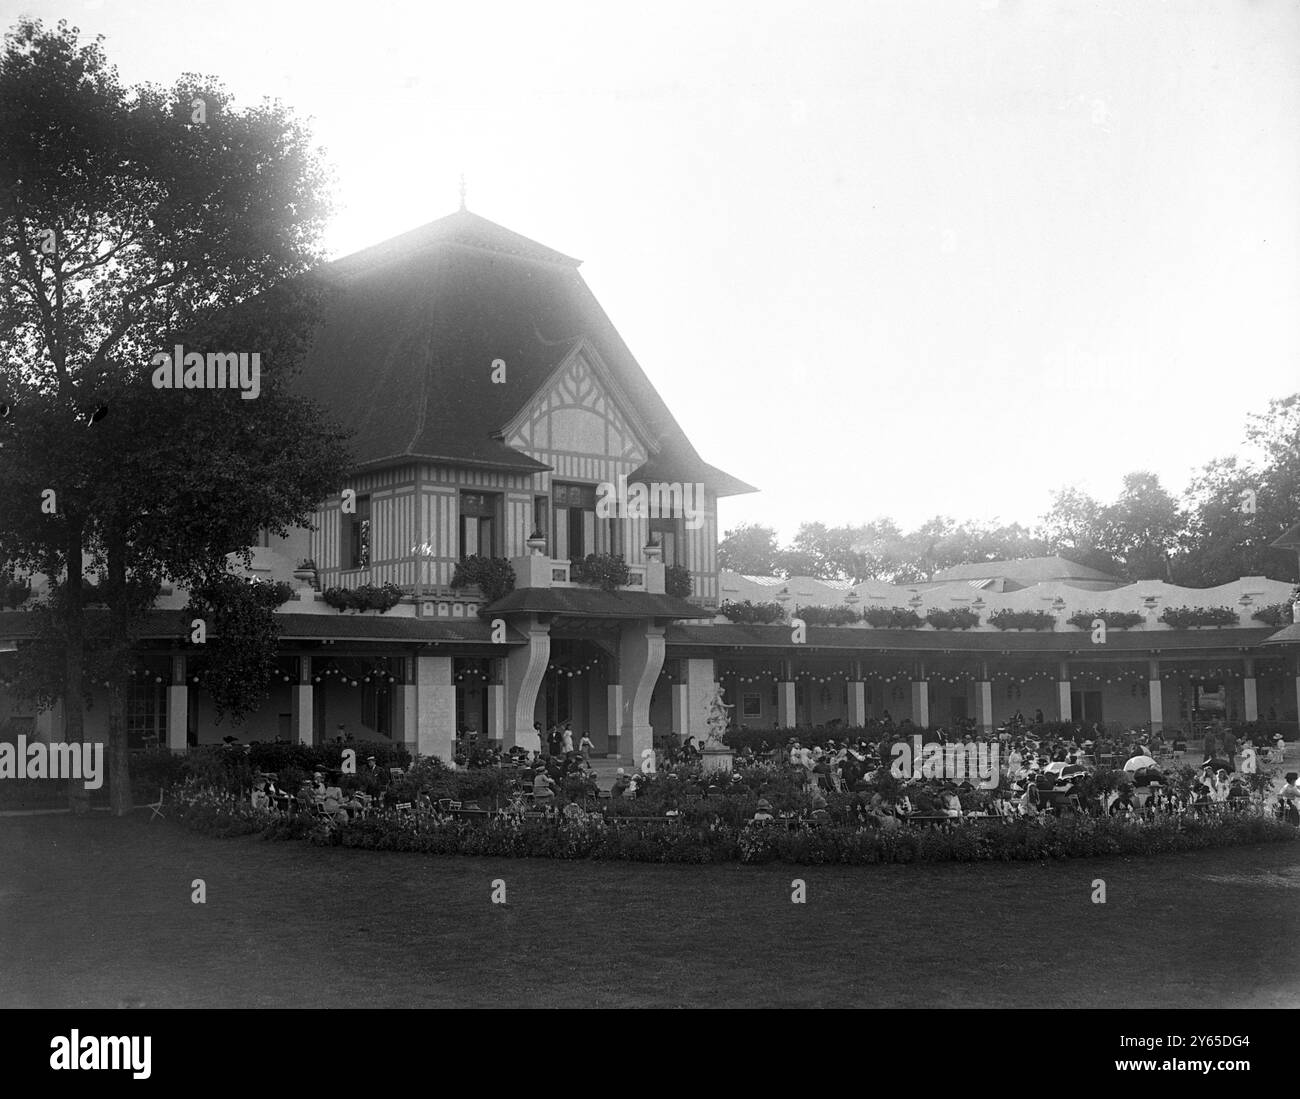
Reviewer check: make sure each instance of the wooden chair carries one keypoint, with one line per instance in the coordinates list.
(156, 807)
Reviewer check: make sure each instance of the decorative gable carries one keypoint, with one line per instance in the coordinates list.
(576, 413)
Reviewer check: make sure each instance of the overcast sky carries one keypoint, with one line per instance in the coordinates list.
(879, 258)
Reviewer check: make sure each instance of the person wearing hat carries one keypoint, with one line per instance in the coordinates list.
(261, 799)
(543, 788)
(1211, 743)
(1288, 797)
(764, 810)
(621, 784)
(1229, 740)
(1123, 802)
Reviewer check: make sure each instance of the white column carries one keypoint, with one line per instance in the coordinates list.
(1063, 693)
(303, 704)
(785, 704)
(48, 725)
(614, 718)
(1154, 696)
(640, 660)
(178, 706)
(406, 707)
(525, 668)
(921, 703)
(496, 699)
(1297, 692)
(1250, 690)
(857, 704)
(984, 689)
(681, 710)
(436, 707)
(699, 688)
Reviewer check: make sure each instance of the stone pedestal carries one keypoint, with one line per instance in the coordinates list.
(717, 759)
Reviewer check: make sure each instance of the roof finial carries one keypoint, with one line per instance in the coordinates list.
(462, 190)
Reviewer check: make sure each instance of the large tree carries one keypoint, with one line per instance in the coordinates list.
(1239, 505)
(749, 549)
(1142, 528)
(132, 220)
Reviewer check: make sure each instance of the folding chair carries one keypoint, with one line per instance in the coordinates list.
(156, 807)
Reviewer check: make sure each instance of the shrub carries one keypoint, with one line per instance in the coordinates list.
(154, 769)
(677, 581)
(753, 614)
(724, 835)
(1115, 620)
(1008, 619)
(955, 618)
(1275, 614)
(828, 616)
(894, 618)
(13, 593)
(1182, 618)
(608, 570)
(493, 576)
(366, 597)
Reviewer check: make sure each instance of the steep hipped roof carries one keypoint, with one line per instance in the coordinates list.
(1027, 571)
(405, 352)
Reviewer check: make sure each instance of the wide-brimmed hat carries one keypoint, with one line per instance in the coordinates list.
(763, 803)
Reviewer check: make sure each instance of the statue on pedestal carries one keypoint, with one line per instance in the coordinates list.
(716, 720)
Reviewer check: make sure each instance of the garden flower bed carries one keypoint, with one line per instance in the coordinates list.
(596, 835)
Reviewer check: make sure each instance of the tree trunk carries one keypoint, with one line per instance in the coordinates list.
(74, 715)
(119, 756)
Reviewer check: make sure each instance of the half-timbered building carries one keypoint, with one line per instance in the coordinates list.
(491, 399)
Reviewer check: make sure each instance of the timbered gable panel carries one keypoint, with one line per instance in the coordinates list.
(575, 414)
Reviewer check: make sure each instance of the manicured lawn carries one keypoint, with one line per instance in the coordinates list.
(97, 913)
